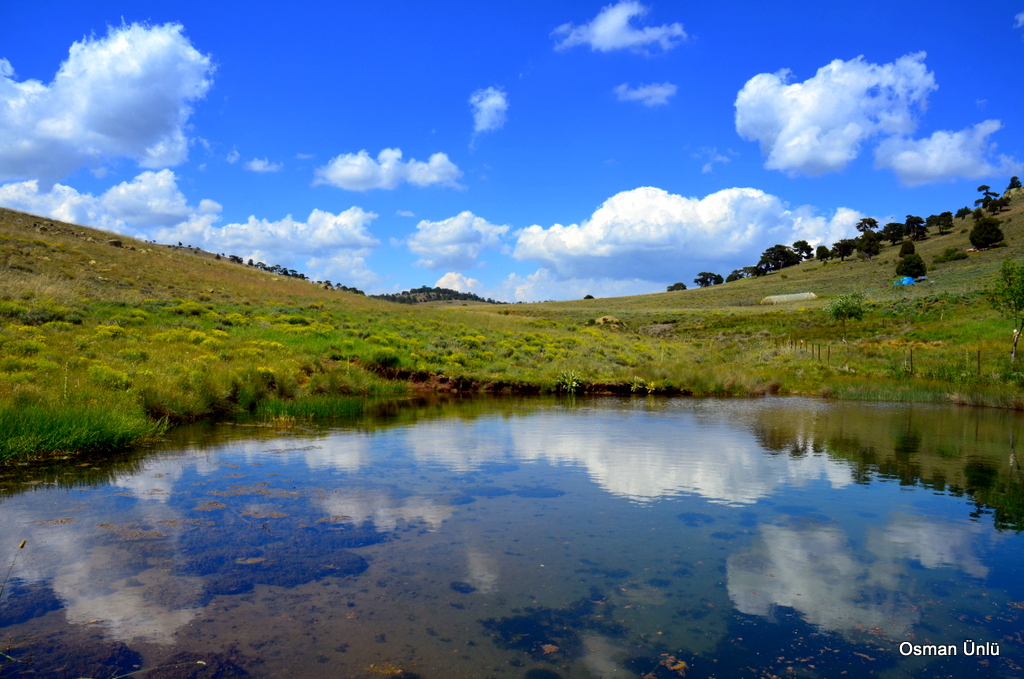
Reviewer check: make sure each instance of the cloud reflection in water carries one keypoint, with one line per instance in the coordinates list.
(642, 459)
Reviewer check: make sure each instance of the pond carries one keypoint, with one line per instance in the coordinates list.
(530, 539)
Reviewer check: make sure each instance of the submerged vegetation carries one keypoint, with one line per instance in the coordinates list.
(106, 342)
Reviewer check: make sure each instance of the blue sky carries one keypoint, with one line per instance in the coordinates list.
(523, 151)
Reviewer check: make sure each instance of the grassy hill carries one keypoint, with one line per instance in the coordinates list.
(106, 340)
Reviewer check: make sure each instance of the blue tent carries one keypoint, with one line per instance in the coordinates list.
(905, 280)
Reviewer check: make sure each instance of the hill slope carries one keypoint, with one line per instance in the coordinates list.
(105, 340)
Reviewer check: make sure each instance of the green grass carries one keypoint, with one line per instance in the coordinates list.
(165, 334)
(312, 407)
(31, 429)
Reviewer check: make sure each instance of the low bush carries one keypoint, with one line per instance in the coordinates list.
(950, 255)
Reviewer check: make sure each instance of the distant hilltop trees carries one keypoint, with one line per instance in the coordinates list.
(414, 296)
(985, 233)
(291, 273)
(429, 294)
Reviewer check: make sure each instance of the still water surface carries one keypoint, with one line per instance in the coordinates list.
(530, 539)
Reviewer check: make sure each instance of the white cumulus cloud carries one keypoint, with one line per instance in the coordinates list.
(456, 281)
(321, 231)
(1018, 21)
(543, 285)
(655, 94)
(650, 234)
(348, 267)
(262, 165)
(489, 108)
(326, 246)
(360, 172)
(819, 125)
(128, 95)
(152, 199)
(456, 242)
(945, 156)
(612, 29)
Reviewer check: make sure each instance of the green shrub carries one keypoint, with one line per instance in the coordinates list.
(181, 335)
(569, 382)
(12, 364)
(639, 384)
(235, 319)
(294, 320)
(986, 233)
(12, 309)
(911, 265)
(850, 306)
(46, 314)
(24, 347)
(188, 309)
(322, 329)
(109, 332)
(385, 357)
(103, 375)
(950, 255)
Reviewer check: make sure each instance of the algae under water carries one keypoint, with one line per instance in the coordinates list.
(530, 538)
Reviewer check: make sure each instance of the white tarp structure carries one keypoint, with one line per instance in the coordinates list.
(783, 299)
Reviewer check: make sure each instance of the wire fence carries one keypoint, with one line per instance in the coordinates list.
(906, 361)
